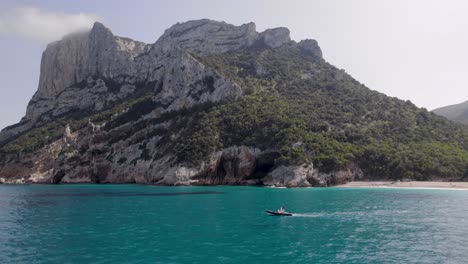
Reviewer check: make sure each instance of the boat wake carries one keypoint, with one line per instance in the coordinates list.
(309, 215)
(377, 213)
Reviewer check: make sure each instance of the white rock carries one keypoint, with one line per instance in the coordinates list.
(290, 176)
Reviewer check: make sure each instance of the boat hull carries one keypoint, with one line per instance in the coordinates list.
(275, 213)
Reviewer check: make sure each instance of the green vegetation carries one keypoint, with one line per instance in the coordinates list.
(263, 121)
(294, 104)
(36, 138)
(311, 111)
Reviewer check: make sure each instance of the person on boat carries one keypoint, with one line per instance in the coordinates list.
(281, 210)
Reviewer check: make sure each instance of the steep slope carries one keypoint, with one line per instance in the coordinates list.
(213, 103)
(314, 112)
(457, 113)
(73, 74)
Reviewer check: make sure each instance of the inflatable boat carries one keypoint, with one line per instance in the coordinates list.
(276, 213)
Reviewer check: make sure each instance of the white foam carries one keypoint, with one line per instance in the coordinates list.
(309, 215)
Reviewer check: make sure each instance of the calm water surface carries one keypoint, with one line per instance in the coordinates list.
(147, 224)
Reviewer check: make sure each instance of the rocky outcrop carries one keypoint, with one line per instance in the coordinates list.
(92, 72)
(79, 72)
(12, 131)
(37, 167)
(306, 176)
(275, 37)
(310, 46)
(208, 36)
(234, 165)
(290, 176)
(78, 57)
(350, 173)
(80, 157)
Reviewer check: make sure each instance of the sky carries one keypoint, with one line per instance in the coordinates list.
(415, 50)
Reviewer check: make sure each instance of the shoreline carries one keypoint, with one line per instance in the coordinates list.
(407, 184)
(437, 185)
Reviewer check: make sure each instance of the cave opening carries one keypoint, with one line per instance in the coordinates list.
(264, 164)
(220, 171)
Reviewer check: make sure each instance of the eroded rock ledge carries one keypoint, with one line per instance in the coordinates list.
(75, 159)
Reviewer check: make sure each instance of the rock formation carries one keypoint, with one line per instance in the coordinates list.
(110, 109)
(276, 37)
(207, 36)
(92, 70)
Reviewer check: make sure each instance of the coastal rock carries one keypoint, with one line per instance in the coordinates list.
(148, 113)
(290, 176)
(237, 162)
(86, 75)
(348, 174)
(233, 166)
(179, 176)
(15, 170)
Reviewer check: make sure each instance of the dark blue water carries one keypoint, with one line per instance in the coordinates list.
(147, 224)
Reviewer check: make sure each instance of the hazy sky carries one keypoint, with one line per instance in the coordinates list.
(411, 49)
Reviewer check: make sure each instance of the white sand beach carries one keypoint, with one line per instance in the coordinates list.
(408, 184)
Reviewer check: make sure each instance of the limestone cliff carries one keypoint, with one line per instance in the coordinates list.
(207, 103)
(93, 70)
(90, 72)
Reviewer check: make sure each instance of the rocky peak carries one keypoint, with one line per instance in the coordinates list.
(311, 47)
(78, 56)
(208, 36)
(74, 70)
(99, 30)
(101, 35)
(275, 37)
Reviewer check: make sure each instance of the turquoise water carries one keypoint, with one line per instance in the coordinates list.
(148, 224)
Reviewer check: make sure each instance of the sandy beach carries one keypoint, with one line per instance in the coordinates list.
(408, 184)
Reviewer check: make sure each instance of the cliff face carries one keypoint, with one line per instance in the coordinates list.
(72, 76)
(207, 36)
(92, 72)
(211, 103)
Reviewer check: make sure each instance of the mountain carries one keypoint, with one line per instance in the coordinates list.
(457, 113)
(214, 103)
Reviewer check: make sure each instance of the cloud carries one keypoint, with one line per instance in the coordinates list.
(42, 25)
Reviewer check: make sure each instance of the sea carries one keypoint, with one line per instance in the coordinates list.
(228, 224)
